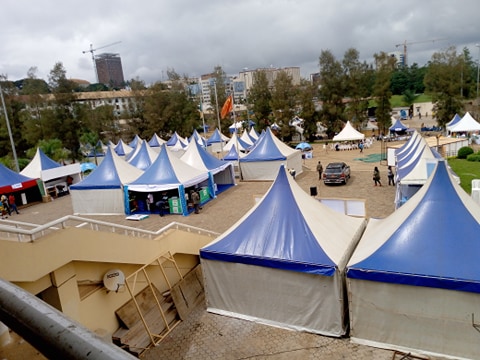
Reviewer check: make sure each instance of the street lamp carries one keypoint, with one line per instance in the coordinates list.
(478, 66)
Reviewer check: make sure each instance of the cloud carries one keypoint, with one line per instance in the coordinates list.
(193, 36)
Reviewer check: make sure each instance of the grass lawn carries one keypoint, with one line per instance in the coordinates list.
(466, 170)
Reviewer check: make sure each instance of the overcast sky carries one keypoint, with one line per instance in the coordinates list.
(193, 36)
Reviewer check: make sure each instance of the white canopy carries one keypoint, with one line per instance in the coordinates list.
(348, 134)
(466, 124)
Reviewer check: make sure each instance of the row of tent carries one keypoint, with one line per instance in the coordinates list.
(256, 155)
(410, 281)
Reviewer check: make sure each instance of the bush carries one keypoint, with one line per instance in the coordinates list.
(464, 152)
(473, 157)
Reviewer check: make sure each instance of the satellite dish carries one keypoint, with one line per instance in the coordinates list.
(113, 280)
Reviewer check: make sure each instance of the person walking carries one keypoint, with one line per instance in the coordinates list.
(391, 176)
(376, 176)
(12, 204)
(320, 170)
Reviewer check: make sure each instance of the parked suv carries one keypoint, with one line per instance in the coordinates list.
(336, 173)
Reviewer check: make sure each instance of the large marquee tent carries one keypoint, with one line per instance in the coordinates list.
(414, 278)
(466, 124)
(22, 187)
(51, 172)
(222, 172)
(285, 269)
(101, 192)
(167, 173)
(349, 133)
(266, 156)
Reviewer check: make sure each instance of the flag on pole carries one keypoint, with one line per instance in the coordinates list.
(227, 107)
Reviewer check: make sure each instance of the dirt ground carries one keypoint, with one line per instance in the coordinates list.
(220, 214)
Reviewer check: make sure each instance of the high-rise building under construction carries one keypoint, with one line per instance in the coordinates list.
(109, 69)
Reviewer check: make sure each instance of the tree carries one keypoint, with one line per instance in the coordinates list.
(283, 103)
(357, 77)
(306, 95)
(443, 82)
(65, 125)
(260, 96)
(381, 91)
(332, 91)
(219, 94)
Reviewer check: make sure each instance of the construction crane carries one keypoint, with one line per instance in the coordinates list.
(92, 50)
(405, 43)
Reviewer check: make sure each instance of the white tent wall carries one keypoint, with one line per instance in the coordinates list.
(98, 201)
(383, 314)
(287, 299)
(268, 170)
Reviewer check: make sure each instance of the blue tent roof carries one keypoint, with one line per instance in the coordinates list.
(161, 171)
(141, 159)
(174, 139)
(120, 148)
(154, 141)
(433, 242)
(210, 161)
(9, 177)
(232, 154)
(398, 126)
(264, 149)
(215, 138)
(455, 120)
(105, 176)
(45, 162)
(196, 136)
(134, 142)
(283, 240)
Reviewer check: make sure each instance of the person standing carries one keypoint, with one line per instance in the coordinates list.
(391, 175)
(12, 204)
(4, 201)
(376, 176)
(196, 201)
(162, 204)
(320, 170)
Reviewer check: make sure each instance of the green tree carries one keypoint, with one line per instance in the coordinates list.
(357, 76)
(65, 125)
(382, 93)
(283, 103)
(259, 97)
(332, 91)
(218, 95)
(443, 82)
(307, 92)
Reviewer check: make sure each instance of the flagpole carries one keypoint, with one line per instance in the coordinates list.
(12, 143)
(218, 116)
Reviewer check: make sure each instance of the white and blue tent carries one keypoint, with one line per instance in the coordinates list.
(216, 141)
(455, 120)
(156, 141)
(101, 192)
(236, 142)
(167, 173)
(264, 159)
(177, 144)
(414, 278)
(286, 268)
(397, 126)
(143, 156)
(136, 140)
(198, 138)
(122, 149)
(466, 124)
(221, 171)
(50, 172)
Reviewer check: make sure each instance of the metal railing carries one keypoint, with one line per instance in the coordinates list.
(28, 232)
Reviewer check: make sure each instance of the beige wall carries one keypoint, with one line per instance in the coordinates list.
(54, 265)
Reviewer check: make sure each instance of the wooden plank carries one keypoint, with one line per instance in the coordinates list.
(189, 292)
(128, 313)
